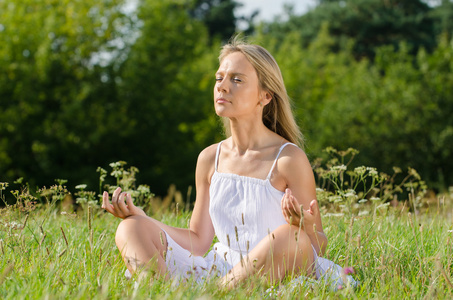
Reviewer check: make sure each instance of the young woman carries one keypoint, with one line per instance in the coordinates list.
(251, 188)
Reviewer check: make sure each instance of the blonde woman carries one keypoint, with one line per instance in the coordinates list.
(250, 189)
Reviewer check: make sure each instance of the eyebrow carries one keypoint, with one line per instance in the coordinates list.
(233, 74)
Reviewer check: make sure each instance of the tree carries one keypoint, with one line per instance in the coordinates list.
(166, 91)
(370, 23)
(54, 89)
(218, 16)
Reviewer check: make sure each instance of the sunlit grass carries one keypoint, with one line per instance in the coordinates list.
(398, 251)
(396, 254)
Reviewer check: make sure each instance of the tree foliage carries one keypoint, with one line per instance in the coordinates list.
(83, 84)
(394, 109)
(218, 16)
(86, 83)
(54, 99)
(371, 23)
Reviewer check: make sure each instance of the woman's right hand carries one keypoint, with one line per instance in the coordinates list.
(118, 207)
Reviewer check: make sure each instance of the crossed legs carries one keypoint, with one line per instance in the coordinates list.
(285, 251)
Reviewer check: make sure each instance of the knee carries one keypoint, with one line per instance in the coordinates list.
(126, 228)
(293, 237)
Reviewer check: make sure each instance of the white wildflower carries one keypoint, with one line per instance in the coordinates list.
(375, 198)
(335, 199)
(363, 200)
(334, 214)
(349, 194)
(115, 164)
(363, 213)
(12, 225)
(339, 168)
(143, 189)
(372, 171)
(81, 187)
(383, 205)
(360, 170)
(116, 173)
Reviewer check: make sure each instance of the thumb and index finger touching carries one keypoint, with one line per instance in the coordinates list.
(123, 202)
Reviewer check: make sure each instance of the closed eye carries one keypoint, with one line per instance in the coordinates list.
(237, 80)
(218, 79)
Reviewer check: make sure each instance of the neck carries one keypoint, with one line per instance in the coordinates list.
(247, 135)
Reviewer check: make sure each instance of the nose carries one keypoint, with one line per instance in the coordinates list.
(222, 86)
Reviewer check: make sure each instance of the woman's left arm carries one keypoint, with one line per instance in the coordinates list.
(296, 170)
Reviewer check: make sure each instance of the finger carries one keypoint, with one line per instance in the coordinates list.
(284, 207)
(294, 206)
(122, 205)
(288, 192)
(115, 198)
(105, 199)
(106, 203)
(116, 194)
(129, 202)
(282, 203)
(286, 202)
(314, 207)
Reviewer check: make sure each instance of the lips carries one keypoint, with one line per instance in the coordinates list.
(221, 100)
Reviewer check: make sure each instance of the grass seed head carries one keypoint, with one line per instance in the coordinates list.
(161, 238)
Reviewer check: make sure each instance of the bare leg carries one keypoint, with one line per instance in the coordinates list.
(142, 245)
(287, 250)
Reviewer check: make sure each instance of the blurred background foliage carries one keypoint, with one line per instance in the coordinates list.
(84, 83)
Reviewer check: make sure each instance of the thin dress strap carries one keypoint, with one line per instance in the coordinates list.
(275, 161)
(217, 155)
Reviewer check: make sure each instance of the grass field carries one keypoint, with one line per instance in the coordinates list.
(48, 251)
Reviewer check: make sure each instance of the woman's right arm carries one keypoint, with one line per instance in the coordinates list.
(198, 237)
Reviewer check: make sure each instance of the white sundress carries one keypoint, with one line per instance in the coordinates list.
(243, 211)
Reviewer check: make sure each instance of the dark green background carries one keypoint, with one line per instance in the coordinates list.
(85, 83)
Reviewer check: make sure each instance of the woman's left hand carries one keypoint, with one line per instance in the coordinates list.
(294, 212)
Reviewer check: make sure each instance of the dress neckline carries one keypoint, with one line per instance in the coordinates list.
(244, 178)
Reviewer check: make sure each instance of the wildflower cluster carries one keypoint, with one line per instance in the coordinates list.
(85, 198)
(348, 189)
(55, 193)
(25, 202)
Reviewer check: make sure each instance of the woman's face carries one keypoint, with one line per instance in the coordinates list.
(236, 92)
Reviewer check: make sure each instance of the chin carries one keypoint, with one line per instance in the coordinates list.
(221, 112)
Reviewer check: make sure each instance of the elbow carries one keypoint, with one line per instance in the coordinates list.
(200, 250)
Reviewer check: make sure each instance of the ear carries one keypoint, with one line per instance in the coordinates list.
(266, 97)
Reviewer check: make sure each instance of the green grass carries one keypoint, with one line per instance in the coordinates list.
(395, 255)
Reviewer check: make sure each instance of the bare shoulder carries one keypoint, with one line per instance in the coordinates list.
(208, 154)
(206, 161)
(293, 160)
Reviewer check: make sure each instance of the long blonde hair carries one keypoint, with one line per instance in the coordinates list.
(277, 114)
